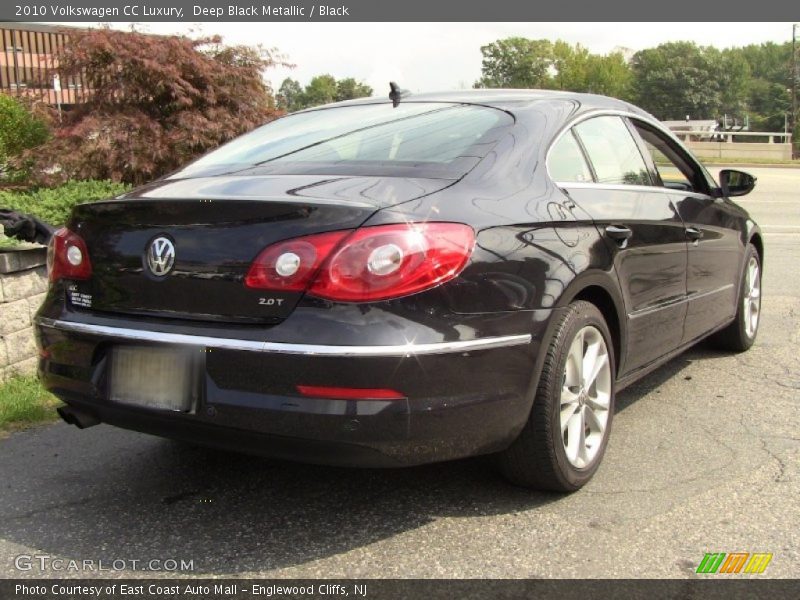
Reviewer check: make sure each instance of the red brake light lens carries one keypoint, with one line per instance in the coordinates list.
(290, 265)
(67, 256)
(369, 264)
(389, 261)
(345, 393)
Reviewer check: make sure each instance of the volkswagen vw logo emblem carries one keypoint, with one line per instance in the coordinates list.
(160, 256)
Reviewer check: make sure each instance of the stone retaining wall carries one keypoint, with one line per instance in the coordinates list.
(23, 282)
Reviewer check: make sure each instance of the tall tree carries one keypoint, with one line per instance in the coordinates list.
(320, 90)
(769, 98)
(523, 63)
(349, 88)
(609, 75)
(770, 105)
(680, 78)
(769, 61)
(516, 62)
(155, 102)
(569, 67)
(290, 95)
(733, 78)
(677, 79)
(671, 80)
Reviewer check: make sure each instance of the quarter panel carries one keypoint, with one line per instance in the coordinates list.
(532, 240)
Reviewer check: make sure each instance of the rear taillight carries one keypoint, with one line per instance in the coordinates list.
(67, 256)
(389, 261)
(369, 264)
(289, 266)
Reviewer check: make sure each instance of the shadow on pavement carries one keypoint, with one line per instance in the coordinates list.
(109, 494)
(657, 378)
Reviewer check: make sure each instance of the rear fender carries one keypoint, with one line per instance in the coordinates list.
(589, 283)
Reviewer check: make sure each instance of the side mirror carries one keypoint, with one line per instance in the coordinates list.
(736, 183)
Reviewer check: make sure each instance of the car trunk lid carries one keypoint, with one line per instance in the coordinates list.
(217, 227)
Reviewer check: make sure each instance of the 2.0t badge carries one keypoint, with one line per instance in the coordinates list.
(160, 256)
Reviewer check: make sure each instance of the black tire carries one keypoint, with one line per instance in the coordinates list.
(735, 337)
(537, 458)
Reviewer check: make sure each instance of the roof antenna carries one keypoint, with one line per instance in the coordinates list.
(395, 93)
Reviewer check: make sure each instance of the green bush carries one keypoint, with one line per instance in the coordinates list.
(20, 129)
(54, 205)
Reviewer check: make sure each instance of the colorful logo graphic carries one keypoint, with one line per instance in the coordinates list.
(734, 562)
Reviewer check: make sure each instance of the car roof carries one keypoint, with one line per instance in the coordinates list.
(507, 98)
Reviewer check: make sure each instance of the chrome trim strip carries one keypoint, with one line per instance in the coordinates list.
(650, 189)
(649, 310)
(285, 348)
(610, 112)
(670, 303)
(600, 112)
(719, 290)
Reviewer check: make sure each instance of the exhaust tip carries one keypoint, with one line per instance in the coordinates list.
(79, 418)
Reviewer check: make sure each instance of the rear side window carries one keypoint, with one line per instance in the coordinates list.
(566, 161)
(612, 151)
(440, 138)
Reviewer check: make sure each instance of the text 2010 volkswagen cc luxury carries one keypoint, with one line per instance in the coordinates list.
(387, 283)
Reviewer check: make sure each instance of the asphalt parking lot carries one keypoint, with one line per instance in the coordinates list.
(703, 458)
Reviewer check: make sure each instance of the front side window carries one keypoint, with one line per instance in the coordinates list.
(668, 170)
(437, 138)
(673, 169)
(612, 151)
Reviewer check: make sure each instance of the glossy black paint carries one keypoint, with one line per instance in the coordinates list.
(219, 226)
(538, 246)
(650, 265)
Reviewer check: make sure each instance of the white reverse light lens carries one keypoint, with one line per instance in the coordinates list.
(385, 260)
(287, 264)
(74, 256)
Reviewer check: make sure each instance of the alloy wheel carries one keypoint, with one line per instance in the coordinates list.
(752, 297)
(585, 397)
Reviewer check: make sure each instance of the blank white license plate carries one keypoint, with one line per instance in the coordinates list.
(152, 378)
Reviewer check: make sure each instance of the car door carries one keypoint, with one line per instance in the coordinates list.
(713, 237)
(641, 227)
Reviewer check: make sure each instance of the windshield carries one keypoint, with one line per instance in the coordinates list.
(413, 139)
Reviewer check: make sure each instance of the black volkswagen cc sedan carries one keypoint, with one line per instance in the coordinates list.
(388, 283)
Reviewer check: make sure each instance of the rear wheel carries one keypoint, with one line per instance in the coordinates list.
(565, 438)
(741, 333)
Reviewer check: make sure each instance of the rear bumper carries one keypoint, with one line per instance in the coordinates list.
(221, 343)
(461, 397)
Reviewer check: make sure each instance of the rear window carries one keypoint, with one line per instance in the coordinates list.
(413, 139)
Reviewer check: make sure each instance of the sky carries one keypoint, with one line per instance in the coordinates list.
(443, 56)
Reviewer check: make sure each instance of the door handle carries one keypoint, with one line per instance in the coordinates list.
(693, 233)
(618, 233)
